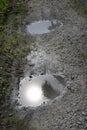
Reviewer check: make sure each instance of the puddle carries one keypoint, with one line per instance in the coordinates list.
(43, 26)
(39, 90)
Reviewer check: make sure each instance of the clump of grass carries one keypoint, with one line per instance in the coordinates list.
(20, 8)
(11, 120)
(3, 6)
(8, 8)
(11, 48)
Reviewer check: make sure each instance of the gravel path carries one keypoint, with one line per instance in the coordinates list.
(62, 51)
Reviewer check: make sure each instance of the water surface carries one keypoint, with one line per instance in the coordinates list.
(39, 90)
(43, 26)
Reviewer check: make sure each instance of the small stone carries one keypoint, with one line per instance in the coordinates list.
(83, 35)
(68, 110)
(0, 67)
(11, 114)
(24, 108)
(42, 73)
(81, 119)
(70, 88)
(30, 76)
(43, 102)
(31, 65)
(72, 77)
(84, 113)
(74, 104)
(86, 118)
(79, 123)
(85, 126)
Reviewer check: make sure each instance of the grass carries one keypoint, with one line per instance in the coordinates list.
(3, 6)
(13, 49)
(8, 121)
(10, 46)
(8, 9)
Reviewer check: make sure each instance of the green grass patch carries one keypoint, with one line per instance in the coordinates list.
(11, 48)
(8, 9)
(14, 48)
(3, 7)
(20, 8)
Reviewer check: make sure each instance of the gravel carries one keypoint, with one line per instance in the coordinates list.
(64, 51)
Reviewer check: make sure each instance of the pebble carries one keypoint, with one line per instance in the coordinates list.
(72, 77)
(68, 110)
(31, 65)
(81, 119)
(86, 118)
(11, 114)
(30, 76)
(85, 126)
(79, 123)
(42, 73)
(84, 113)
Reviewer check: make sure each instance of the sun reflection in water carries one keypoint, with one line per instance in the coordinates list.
(38, 90)
(34, 94)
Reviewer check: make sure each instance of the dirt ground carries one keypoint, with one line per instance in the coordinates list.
(63, 52)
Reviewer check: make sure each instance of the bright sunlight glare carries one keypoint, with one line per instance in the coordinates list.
(34, 93)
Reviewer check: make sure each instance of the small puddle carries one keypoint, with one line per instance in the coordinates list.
(43, 26)
(39, 90)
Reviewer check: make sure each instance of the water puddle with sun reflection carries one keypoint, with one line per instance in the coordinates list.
(43, 26)
(39, 90)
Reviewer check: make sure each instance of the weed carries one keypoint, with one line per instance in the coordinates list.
(13, 49)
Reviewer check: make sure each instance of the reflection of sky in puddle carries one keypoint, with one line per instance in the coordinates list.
(43, 26)
(33, 95)
(38, 90)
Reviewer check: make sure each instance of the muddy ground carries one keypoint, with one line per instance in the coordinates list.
(62, 52)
